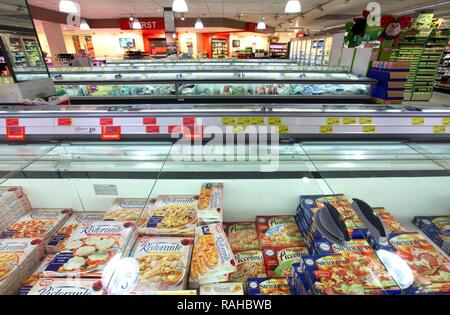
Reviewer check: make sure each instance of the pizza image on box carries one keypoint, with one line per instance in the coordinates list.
(163, 262)
(242, 236)
(391, 224)
(31, 281)
(250, 264)
(8, 261)
(210, 203)
(125, 209)
(279, 261)
(268, 286)
(278, 231)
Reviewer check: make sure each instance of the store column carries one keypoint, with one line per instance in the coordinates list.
(55, 38)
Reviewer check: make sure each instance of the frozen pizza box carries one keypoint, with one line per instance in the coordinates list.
(431, 268)
(31, 281)
(125, 209)
(268, 286)
(228, 288)
(18, 259)
(86, 253)
(389, 221)
(250, 264)
(299, 285)
(172, 215)
(242, 236)
(210, 203)
(169, 292)
(163, 262)
(336, 274)
(437, 228)
(63, 286)
(76, 220)
(278, 231)
(36, 223)
(279, 260)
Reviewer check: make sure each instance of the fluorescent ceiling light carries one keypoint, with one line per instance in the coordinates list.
(293, 6)
(179, 6)
(198, 24)
(136, 24)
(84, 26)
(68, 6)
(261, 25)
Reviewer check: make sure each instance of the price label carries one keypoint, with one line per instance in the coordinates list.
(333, 120)
(282, 129)
(64, 121)
(106, 121)
(439, 129)
(189, 121)
(239, 129)
(274, 121)
(110, 133)
(368, 129)
(15, 133)
(228, 121)
(12, 121)
(349, 120)
(326, 129)
(257, 121)
(152, 129)
(416, 121)
(175, 129)
(244, 121)
(149, 120)
(446, 121)
(365, 120)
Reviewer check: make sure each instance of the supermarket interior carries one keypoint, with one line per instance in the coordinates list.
(224, 147)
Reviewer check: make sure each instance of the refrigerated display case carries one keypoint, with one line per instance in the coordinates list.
(313, 51)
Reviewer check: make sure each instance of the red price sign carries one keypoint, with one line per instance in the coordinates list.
(106, 121)
(189, 121)
(110, 133)
(12, 121)
(188, 132)
(149, 120)
(15, 133)
(152, 129)
(64, 121)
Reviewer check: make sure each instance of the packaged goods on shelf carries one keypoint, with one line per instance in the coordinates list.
(14, 204)
(31, 281)
(42, 223)
(437, 228)
(177, 292)
(212, 258)
(269, 286)
(249, 264)
(75, 221)
(431, 269)
(299, 285)
(210, 203)
(63, 286)
(172, 215)
(227, 288)
(90, 248)
(279, 260)
(163, 262)
(242, 236)
(391, 223)
(278, 231)
(18, 259)
(125, 209)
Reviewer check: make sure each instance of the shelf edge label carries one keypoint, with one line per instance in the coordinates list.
(15, 133)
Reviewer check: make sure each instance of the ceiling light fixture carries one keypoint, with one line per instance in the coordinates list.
(261, 24)
(68, 6)
(179, 6)
(293, 6)
(131, 18)
(136, 24)
(84, 26)
(182, 16)
(198, 24)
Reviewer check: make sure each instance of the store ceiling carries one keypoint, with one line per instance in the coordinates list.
(335, 12)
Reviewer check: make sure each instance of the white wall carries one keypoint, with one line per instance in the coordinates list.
(183, 38)
(249, 40)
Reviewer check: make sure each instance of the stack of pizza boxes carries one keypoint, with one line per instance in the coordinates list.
(13, 204)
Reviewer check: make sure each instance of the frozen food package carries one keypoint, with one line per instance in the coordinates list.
(125, 209)
(431, 268)
(40, 223)
(64, 286)
(145, 215)
(242, 236)
(278, 231)
(391, 223)
(76, 220)
(437, 228)
(268, 286)
(19, 258)
(226, 288)
(279, 260)
(31, 281)
(163, 262)
(86, 253)
(249, 264)
(174, 215)
(210, 203)
(299, 285)
(168, 292)
(14, 205)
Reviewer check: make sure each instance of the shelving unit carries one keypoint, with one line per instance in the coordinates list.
(443, 72)
(219, 48)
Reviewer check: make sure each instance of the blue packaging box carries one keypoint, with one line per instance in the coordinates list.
(269, 286)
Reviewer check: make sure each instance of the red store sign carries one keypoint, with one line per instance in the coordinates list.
(146, 24)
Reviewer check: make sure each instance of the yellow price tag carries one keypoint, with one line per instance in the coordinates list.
(274, 121)
(365, 120)
(446, 121)
(326, 129)
(239, 129)
(282, 129)
(243, 120)
(349, 120)
(257, 121)
(228, 121)
(333, 120)
(439, 129)
(418, 121)
(368, 129)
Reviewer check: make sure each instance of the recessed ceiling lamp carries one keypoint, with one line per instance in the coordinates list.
(68, 6)
(84, 26)
(136, 24)
(179, 6)
(293, 6)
